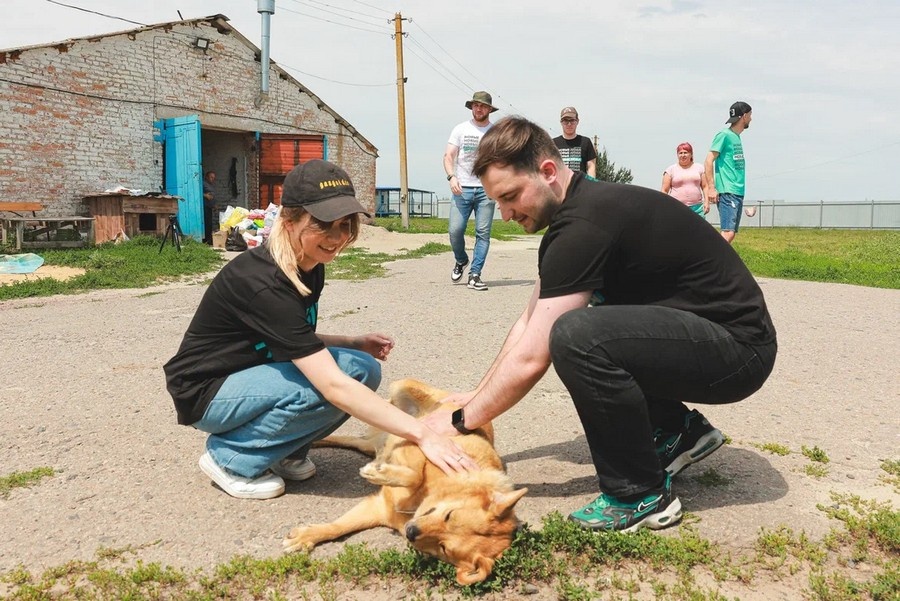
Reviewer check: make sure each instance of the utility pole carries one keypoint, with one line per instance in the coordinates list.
(596, 151)
(401, 118)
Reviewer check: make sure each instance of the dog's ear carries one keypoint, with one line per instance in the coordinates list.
(478, 571)
(504, 502)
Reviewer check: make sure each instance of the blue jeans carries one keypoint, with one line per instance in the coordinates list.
(266, 413)
(628, 369)
(472, 199)
(730, 208)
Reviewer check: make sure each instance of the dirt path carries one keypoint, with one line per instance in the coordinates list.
(82, 391)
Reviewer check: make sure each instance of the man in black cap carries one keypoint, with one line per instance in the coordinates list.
(725, 168)
(468, 194)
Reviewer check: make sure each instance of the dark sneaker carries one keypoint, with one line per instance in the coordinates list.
(697, 439)
(475, 282)
(457, 272)
(657, 509)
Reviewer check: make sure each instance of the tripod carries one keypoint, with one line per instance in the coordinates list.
(176, 232)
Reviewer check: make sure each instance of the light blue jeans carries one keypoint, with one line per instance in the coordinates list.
(472, 199)
(266, 413)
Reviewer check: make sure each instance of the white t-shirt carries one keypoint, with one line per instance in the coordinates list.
(466, 136)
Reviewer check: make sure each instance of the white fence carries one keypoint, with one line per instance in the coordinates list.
(873, 214)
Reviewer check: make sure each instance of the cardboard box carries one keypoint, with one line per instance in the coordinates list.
(218, 239)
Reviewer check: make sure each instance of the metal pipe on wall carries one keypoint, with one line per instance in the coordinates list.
(266, 8)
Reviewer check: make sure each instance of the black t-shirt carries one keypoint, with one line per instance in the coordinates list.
(575, 152)
(251, 314)
(630, 245)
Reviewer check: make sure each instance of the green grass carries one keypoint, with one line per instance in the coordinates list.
(814, 454)
(576, 564)
(861, 257)
(133, 264)
(500, 230)
(23, 479)
(358, 264)
(774, 448)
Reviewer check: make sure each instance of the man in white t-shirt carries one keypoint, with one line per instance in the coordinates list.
(468, 194)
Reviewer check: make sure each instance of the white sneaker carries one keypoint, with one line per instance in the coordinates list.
(295, 469)
(267, 486)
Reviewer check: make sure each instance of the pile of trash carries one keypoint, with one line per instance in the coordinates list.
(253, 226)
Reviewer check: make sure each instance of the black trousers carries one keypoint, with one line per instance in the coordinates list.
(628, 369)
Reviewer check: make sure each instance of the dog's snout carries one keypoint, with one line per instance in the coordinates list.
(412, 532)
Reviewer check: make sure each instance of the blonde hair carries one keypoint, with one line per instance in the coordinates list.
(288, 252)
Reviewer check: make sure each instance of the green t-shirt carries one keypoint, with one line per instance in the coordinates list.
(729, 163)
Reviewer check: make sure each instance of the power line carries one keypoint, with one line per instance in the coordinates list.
(93, 12)
(296, 12)
(355, 12)
(439, 72)
(483, 85)
(445, 51)
(343, 83)
(331, 12)
(375, 7)
(466, 86)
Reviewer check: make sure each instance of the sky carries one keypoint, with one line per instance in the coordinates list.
(822, 76)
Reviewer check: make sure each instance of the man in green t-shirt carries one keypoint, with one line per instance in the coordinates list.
(726, 162)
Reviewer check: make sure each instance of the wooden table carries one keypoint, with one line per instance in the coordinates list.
(52, 225)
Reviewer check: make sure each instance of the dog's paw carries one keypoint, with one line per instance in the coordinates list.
(298, 539)
(375, 473)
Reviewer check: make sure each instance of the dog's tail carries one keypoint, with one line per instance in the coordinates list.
(366, 446)
(415, 397)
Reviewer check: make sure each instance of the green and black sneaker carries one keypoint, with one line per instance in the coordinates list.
(696, 440)
(657, 509)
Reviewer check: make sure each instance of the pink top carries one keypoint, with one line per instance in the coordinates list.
(686, 183)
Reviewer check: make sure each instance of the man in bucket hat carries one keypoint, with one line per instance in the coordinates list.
(468, 194)
(725, 170)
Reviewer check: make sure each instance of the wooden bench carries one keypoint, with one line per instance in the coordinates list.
(42, 225)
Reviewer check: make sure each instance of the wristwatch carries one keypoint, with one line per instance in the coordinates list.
(451, 176)
(458, 419)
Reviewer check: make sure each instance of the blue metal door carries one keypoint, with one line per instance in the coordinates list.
(181, 139)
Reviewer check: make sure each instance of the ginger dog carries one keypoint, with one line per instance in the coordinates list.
(465, 519)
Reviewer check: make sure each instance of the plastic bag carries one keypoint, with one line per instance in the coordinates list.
(24, 263)
(235, 217)
(235, 241)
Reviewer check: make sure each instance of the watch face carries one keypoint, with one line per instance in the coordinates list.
(458, 420)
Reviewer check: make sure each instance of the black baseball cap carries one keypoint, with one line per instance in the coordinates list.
(323, 189)
(738, 110)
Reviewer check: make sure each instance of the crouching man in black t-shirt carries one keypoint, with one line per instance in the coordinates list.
(639, 305)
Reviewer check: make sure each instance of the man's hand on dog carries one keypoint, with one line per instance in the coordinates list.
(445, 453)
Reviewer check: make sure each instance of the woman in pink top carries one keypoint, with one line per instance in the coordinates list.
(686, 180)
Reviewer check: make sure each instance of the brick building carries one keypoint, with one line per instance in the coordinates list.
(154, 108)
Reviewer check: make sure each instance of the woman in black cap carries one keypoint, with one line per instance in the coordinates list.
(253, 372)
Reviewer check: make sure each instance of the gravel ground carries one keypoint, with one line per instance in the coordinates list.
(82, 391)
